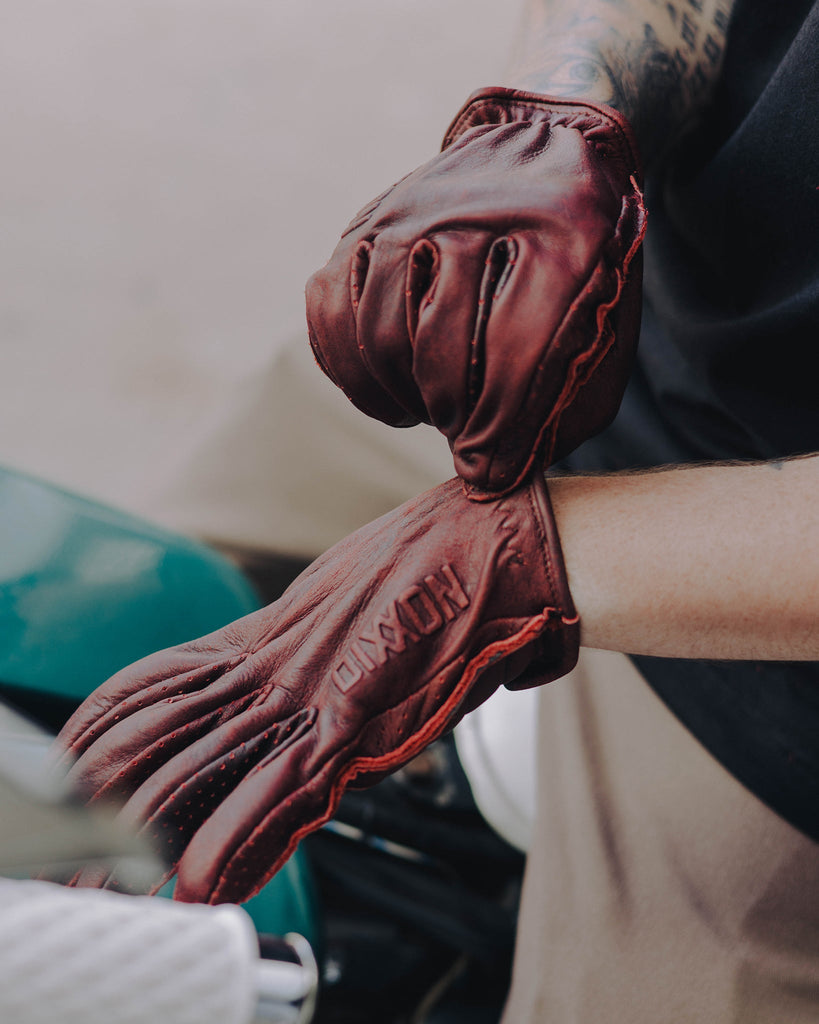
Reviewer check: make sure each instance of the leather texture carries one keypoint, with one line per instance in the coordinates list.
(229, 749)
(495, 291)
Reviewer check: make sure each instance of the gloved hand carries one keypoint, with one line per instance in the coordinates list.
(231, 748)
(495, 291)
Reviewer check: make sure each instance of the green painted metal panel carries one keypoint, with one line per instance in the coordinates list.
(86, 589)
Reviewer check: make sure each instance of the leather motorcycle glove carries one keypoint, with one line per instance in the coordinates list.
(229, 749)
(495, 291)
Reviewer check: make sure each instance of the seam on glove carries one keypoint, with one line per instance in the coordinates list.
(433, 728)
(582, 367)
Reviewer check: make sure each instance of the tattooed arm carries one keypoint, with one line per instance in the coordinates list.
(739, 579)
(654, 61)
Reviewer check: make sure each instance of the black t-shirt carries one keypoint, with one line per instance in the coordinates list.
(727, 359)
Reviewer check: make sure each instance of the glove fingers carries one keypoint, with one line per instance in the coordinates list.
(522, 274)
(447, 364)
(133, 748)
(256, 829)
(381, 321)
(174, 803)
(296, 787)
(537, 284)
(128, 754)
(100, 877)
(166, 674)
(335, 296)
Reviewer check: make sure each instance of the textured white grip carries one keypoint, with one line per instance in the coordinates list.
(83, 956)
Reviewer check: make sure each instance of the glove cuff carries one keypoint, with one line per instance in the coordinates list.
(558, 647)
(602, 126)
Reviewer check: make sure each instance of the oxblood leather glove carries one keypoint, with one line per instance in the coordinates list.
(233, 747)
(495, 291)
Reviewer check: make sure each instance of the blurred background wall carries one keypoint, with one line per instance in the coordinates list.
(171, 173)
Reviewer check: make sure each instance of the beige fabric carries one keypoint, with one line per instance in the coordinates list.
(658, 889)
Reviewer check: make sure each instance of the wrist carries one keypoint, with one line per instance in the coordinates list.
(707, 561)
(603, 127)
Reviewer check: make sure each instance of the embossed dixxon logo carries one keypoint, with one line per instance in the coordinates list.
(422, 609)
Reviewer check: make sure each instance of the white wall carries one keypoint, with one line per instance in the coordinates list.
(172, 171)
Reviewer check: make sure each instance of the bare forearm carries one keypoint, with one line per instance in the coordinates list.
(652, 60)
(704, 562)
